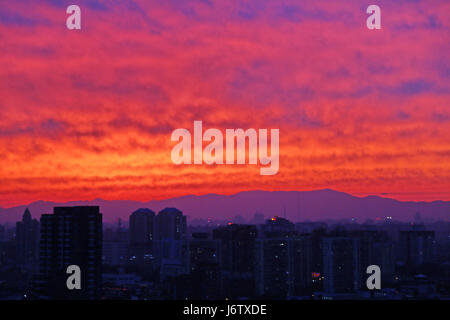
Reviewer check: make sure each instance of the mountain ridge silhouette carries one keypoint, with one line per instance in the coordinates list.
(323, 204)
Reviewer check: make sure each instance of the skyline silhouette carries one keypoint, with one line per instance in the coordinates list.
(160, 256)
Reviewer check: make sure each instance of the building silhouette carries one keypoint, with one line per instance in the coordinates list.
(273, 264)
(340, 265)
(142, 235)
(171, 224)
(171, 246)
(142, 226)
(301, 264)
(27, 242)
(237, 250)
(283, 265)
(156, 258)
(70, 236)
(204, 267)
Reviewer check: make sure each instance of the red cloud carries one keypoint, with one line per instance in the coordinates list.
(89, 113)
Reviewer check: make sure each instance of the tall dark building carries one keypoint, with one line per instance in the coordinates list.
(384, 257)
(283, 266)
(142, 226)
(171, 224)
(272, 268)
(171, 246)
(301, 252)
(317, 237)
(340, 265)
(237, 243)
(374, 249)
(237, 250)
(202, 251)
(417, 247)
(27, 241)
(70, 236)
(204, 266)
(142, 234)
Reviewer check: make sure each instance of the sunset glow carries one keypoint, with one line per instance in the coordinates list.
(89, 114)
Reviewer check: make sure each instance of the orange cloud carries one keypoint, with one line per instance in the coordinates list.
(87, 114)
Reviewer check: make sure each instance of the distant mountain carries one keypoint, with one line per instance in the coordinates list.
(298, 206)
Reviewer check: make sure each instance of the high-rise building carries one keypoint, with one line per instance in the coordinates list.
(384, 257)
(171, 246)
(273, 276)
(317, 237)
(27, 241)
(237, 250)
(171, 224)
(202, 250)
(374, 249)
(237, 243)
(70, 236)
(301, 265)
(204, 266)
(142, 226)
(283, 266)
(417, 247)
(142, 234)
(340, 265)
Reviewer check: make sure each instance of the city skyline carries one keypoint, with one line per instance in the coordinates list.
(159, 257)
(224, 159)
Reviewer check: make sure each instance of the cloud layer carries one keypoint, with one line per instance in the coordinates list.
(87, 114)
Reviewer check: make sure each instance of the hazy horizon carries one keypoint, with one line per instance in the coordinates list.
(311, 205)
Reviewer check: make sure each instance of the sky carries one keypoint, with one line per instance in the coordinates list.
(89, 113)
